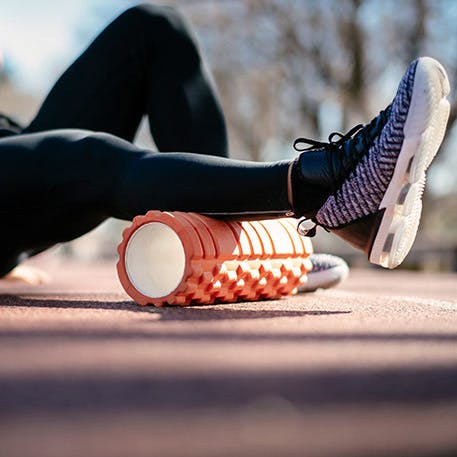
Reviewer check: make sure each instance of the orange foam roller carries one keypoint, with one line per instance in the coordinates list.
(178, 258)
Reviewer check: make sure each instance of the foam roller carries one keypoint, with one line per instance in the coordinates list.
(176, 258)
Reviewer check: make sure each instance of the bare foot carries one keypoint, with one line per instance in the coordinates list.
(28, 275)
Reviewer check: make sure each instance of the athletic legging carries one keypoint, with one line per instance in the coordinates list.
(75, 166)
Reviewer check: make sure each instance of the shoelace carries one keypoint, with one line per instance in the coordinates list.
(334, 145)
(311, 145)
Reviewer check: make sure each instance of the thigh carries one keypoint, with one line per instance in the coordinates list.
(55, 186)
(147, 61)
(54, 167)
(103, 90)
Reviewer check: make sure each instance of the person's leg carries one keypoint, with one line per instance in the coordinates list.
(147, 61)
(58, 185)
(366, 187)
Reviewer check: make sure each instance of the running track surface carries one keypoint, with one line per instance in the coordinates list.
(366, 369)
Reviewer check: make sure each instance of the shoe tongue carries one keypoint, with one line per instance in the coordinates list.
(356, 147)
(378, 123)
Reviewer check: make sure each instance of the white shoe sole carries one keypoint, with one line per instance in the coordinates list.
(423, 133)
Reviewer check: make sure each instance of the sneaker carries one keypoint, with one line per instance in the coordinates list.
(376, 200)
(328, 271)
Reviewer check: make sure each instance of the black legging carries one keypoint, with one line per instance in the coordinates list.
(61, 176)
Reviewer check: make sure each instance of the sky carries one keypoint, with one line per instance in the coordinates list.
(39, 44)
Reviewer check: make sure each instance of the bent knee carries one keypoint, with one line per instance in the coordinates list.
(168, 18)
(165, 25)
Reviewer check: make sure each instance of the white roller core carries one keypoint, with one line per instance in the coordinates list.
(155, 260)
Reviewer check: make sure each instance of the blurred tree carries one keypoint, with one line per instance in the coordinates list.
(288, 68)
(294, 67)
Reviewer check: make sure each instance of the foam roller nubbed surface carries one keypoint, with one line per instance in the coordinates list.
(176, 258)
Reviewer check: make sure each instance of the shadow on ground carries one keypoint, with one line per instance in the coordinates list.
(200, 313)
(160, 392)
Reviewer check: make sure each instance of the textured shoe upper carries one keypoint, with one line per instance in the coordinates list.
(322, 167)
(328, 271)
(362, 191)
(323, 262)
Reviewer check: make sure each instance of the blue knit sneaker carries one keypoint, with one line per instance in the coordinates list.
(328, 271)
(377, 207)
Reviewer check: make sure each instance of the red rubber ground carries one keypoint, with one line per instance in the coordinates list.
(367, 369)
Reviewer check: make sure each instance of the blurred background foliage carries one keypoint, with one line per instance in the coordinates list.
(283, 68)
